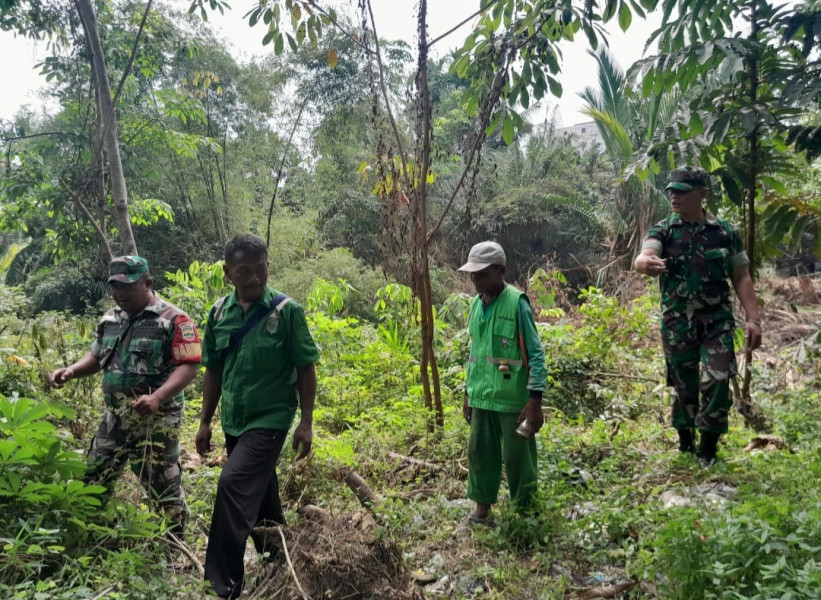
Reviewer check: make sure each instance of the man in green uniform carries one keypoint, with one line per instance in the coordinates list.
(694, 254)
(259, 358)
(506, 375)
(149, 351)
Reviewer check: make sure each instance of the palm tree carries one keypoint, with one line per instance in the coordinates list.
(626, 123)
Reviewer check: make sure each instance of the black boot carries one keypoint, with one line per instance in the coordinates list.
(686, 441)
(707, 449)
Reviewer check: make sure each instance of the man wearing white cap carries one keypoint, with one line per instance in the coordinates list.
(506, 376)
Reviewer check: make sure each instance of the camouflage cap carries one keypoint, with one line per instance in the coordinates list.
(687, 178)
(127, 269)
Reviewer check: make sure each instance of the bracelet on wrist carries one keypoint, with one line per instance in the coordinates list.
(754, 322)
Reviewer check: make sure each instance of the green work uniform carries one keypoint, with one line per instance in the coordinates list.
(697, 321)
(258, 377)
(259, 399)
(137, 355)
(497, 388)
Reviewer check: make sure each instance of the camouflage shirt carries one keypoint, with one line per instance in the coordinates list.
(700, 257)
(138, 355)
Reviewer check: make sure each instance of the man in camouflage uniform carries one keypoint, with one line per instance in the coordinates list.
(149, 351)
(694, 253)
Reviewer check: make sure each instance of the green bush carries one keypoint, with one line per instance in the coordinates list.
(297, 280)
(736, 556)
(45, 506)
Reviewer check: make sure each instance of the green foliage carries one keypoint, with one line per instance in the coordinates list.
(328, 298)
(584, 362)
(148, 211)
(194, 290)
(297, 277)
(545, 287)
(746, 96)
(603, 417)
(39, 488)
(742, 555)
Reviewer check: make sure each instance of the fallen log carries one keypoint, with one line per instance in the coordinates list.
(361, 490)
(606, 591)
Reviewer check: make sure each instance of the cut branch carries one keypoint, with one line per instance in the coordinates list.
(415, 461)
(361, 490)
(173, 540)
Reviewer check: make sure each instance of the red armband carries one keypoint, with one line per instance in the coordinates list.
(185, 347)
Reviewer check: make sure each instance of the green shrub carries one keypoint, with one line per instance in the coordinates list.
(741, 555)
(44, 503)
(298, 278)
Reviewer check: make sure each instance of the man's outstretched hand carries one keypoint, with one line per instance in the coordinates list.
(60, 377)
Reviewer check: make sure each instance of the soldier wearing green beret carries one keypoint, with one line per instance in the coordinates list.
(148, 351)
(694, 253)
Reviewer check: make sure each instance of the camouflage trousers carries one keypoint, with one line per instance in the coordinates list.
(151, 446)
(700, 361)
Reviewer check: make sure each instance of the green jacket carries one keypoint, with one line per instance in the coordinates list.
(258, 376)
(497, 377)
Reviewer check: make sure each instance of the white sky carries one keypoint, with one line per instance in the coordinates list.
(394, 19)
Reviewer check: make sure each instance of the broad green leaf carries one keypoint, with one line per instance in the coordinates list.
(775, 184)
(696, 126)
(638, 9)
(625, 16)
(507, 130)
(731, 188)
(555, 87)
(461, 66)
(525, 98)
(296, 15)
(279, 44)
(609, 10)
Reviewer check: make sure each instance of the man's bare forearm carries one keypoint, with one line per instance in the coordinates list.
(211, 390)
(177, 381)
(743, 284)
(87, 365)
(306, 384)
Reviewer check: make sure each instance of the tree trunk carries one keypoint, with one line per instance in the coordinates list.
(753, 415)
(108, 122)
(428, 367)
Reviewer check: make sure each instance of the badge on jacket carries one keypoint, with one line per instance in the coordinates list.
(273, 323)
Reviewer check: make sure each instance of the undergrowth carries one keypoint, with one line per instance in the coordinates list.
(607, 459)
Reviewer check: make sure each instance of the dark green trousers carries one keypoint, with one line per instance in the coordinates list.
(700, 362)
(494, 443)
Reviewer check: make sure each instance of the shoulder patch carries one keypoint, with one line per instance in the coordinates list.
(187, 331)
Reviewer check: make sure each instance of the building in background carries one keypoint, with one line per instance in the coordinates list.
(583, 136)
